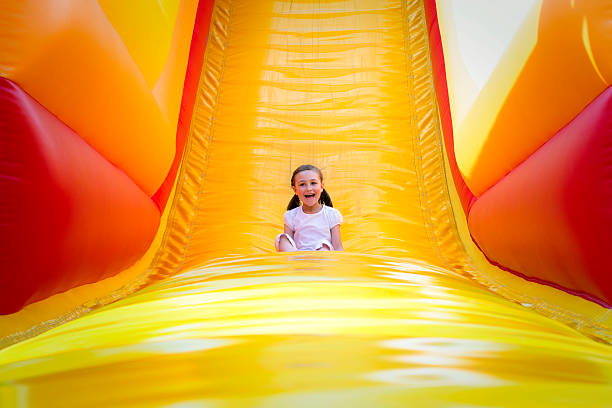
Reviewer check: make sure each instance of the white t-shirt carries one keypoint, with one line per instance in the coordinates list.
(311, 230)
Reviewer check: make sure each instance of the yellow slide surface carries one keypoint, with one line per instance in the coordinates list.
(395, 320)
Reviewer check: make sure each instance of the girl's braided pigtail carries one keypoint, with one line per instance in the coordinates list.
(294, 203)
(325, 199)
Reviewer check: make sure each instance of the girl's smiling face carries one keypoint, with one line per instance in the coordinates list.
(308, 187)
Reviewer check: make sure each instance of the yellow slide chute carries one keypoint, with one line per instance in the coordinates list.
(397, 319)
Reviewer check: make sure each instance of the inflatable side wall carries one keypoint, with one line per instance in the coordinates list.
(528, 131)
(92, 135)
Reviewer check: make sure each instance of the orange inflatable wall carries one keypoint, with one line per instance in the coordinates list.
(91, 137)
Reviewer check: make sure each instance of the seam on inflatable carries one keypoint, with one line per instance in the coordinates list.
(573, 292)
(416, 138)
(172, 252)
(545, 143)
(426, 143)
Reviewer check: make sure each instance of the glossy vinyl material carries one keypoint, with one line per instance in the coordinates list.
(443, 98)
(70, 59)
(57, 231)
(550, 218)
(551, 225)
(73, 213)
(145, 28)
(296, 330)
(546, 65)
(199, 38)
(393, 321)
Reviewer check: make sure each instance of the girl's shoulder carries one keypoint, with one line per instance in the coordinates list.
(289, 216)
(292, 211)
(333, 210)
(335, 217)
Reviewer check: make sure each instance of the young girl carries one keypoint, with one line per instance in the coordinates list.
(315, 225)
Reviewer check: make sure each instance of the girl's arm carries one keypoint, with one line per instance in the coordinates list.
(336, 240)
(289, 231)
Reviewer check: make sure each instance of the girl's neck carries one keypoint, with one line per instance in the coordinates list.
(313, 209)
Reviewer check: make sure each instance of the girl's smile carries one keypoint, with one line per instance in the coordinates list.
(308, 187)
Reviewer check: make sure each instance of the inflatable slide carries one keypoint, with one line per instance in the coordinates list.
(146, 154)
